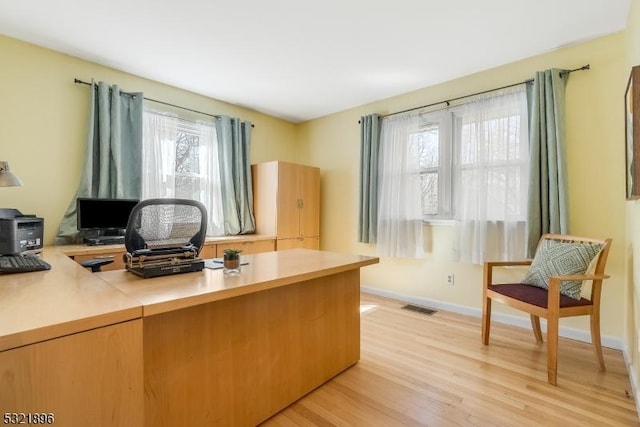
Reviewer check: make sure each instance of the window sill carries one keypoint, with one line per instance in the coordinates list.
(439, 222)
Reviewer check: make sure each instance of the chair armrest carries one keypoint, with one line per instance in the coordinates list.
(580, 277)
(491, 264)
(554, 286)
(96, 264)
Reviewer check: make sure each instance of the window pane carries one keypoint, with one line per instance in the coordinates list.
(181, 160)
(429, 183)
(187, 187)
(492, 140)
(428, 143)
(187, 152)
(187, 165)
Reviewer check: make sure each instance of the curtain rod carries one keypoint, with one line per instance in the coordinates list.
(161, 102)
(584, 67)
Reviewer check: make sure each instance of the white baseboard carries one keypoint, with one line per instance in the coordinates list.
(633, 378)
(572, 333)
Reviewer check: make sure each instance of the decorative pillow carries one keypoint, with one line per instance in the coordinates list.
(555, 258)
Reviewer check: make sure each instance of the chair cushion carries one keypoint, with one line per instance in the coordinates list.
(534, 295)
(556, 258)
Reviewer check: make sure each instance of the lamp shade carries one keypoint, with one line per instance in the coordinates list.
(7, 179)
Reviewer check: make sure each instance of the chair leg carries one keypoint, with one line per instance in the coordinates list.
(552, 350)
(486, 320)
(537, 331)
(595, 339)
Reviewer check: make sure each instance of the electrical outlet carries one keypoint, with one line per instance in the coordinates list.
(450, 279)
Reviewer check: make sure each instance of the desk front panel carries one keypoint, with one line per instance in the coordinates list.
(93, 378)
(239, 361)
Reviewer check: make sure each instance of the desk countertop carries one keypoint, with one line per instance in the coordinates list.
(68, 298)
(264, 271)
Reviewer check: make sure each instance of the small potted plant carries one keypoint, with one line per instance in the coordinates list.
(231, 260)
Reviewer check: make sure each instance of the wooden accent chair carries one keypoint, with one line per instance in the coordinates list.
(551, 304)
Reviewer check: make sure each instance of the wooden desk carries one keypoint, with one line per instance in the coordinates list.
(235, 350)
(71, 346)
(209, 349)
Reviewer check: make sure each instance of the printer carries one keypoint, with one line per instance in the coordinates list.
(20, 233)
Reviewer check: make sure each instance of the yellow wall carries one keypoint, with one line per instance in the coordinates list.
(632, 243)
(596, 177)
(43, 122)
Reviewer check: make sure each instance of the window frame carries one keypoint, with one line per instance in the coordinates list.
(441, 119)
(449, 169)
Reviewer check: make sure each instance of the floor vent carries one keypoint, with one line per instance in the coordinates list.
(423, 310)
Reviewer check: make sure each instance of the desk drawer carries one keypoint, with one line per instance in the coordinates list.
(248, 246)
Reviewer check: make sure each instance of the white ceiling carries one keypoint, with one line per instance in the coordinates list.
(302, 59)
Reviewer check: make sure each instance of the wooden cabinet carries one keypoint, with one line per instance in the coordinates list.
(208, 251)
(287, 203)
(247, 246)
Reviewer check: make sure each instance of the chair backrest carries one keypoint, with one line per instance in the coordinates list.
(166, 224)
(597, 265)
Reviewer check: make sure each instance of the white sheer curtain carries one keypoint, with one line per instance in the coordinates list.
(210, 181)
(490, 188)
(159, 155)
(400, 222)
(180, 160)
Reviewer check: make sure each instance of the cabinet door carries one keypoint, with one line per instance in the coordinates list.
(288, 200)
(310, 202)
(208, 251)
(299, 243)
(311, 242)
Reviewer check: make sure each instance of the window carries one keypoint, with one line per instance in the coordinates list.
(468, 164)
(180, 160)
(434, 152)
(492, 150)
(470, 152)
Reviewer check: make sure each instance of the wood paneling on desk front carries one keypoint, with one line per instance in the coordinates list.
(238, 361)
(70, 346)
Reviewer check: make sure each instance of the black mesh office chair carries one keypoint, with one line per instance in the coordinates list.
(165, 236)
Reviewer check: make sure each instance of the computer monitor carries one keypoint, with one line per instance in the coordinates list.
(108, 216)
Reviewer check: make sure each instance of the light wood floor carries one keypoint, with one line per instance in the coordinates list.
(420, 370)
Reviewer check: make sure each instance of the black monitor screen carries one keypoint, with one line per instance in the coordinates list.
(104, 214)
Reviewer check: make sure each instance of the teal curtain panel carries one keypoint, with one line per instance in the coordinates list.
(113, 155)
(548, 202)
(234, 139)
(368, 200)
